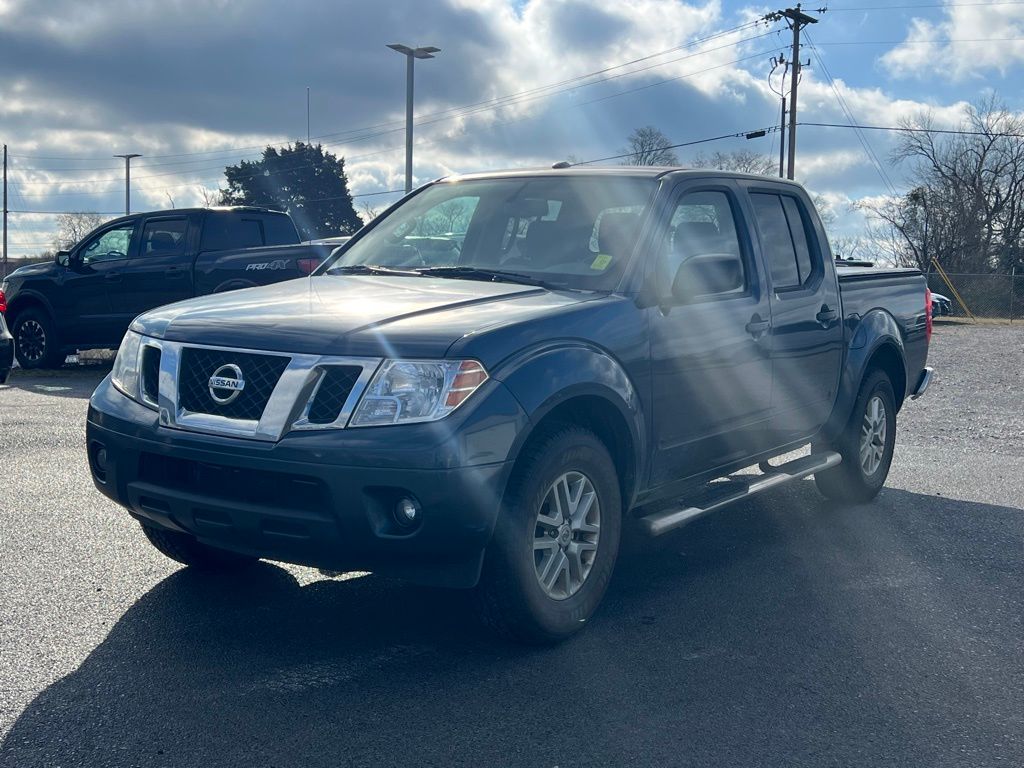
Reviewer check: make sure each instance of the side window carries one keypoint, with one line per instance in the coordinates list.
(227, 231)
(787, 248)
(701, 256)
(279, 229)
(110, 245)
(164, 237)
(799, 232)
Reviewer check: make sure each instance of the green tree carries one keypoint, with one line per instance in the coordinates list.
(303, 180)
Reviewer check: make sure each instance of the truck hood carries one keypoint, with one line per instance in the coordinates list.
(378, 316)
(30, 270)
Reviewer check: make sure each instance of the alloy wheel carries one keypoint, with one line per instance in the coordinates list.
(872, 436)
(566, 534)
(32, 340)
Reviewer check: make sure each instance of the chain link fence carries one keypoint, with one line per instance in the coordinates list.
(988, 297)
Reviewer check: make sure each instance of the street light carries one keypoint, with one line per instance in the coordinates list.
(410, 55)
(128, 181)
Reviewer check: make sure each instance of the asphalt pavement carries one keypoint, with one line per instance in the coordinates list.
(783, 632)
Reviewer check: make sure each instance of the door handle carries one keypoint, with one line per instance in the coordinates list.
(826, 315)
(173, 272)
(112, 276)
(757, 327)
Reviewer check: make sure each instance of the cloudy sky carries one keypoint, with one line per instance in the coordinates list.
(196, 84)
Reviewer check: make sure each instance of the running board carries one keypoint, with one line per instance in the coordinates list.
(738, 488)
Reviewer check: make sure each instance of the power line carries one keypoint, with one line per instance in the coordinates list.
(925, 5)
(949, 131)
(738, 134)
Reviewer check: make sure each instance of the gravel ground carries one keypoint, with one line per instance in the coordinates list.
(784, 631)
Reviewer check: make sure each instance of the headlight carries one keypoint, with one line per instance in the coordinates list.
(125, 375)
(408, 391)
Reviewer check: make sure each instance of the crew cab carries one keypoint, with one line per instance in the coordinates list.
(493, 375)
(87, 297)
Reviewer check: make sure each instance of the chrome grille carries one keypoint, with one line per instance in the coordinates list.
(260, 373)
(332, 393)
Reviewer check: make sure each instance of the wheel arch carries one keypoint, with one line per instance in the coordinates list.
(28, 300)
(584, 386)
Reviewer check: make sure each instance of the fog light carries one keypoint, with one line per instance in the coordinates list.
(407, 512)
(101, 459)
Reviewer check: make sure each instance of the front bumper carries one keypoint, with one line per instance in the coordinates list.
(320, 499)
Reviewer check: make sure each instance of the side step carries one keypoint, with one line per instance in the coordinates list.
(738, 488)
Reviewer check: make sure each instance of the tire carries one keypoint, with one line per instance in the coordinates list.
(187, 550)
(861, 476)
(576, 563)
(35, 340)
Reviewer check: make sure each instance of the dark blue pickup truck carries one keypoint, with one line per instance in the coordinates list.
(480, 387)
(87, 297)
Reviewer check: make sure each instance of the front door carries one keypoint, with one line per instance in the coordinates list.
(807, 332)
(710, 362)
(95, 269)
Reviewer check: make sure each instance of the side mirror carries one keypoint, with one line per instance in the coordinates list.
(707, 275)
(63, 258)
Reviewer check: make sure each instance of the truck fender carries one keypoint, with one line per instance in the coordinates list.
(29, 297)
(877, 333)
(545, 379)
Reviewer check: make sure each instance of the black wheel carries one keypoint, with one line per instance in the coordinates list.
(35, 340)
(187, 550)
(556, 540)
(866, 445)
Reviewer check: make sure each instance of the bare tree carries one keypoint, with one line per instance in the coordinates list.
(649, 146)
(211, 197)
(367, 212)
(966, 206)
(741, 161)
(72, 227)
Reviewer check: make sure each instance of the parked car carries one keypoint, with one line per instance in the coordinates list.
(941, 305)
(6, 348)
(603, 343)
(87, 297)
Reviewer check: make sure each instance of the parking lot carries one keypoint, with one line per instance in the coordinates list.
(785, 631)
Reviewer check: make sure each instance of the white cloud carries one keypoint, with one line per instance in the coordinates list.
(989, 38)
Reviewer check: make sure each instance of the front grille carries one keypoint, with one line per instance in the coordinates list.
(150, 374)
(260, 373)
(248, 486)
(333, 392)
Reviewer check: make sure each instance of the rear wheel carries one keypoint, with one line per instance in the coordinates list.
(35, 340)
(866, 445)
(187, 550)
(556, 541)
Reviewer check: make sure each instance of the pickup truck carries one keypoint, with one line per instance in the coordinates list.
(87, 297)
(589, 346)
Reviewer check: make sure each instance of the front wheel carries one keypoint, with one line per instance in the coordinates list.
(35, 340)
(866, 445)
(556, 540)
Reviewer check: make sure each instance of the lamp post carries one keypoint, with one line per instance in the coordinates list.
(410, 55)
(128, 180)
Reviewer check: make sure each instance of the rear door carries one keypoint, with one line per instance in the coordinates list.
(160, 269)
(710, 360)
(806, 333)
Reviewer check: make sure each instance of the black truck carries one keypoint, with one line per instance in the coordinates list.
(484, 407)
(87, 297)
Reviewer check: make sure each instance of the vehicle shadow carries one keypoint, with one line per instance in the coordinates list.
(71, 380)
(782, 632)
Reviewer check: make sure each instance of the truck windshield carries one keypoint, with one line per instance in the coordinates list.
(573, 232)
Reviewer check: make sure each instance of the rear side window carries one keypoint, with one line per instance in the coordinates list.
(279, 229)
(227, 231)
(164, 237)
(787, 248)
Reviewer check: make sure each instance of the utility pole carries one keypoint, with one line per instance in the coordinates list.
(410, 54)
(776, 63)
(797, 20)
(307, 115)
(5, 211)
(128, 180)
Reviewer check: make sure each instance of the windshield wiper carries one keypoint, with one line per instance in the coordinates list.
(492, 275)
(369, 269)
